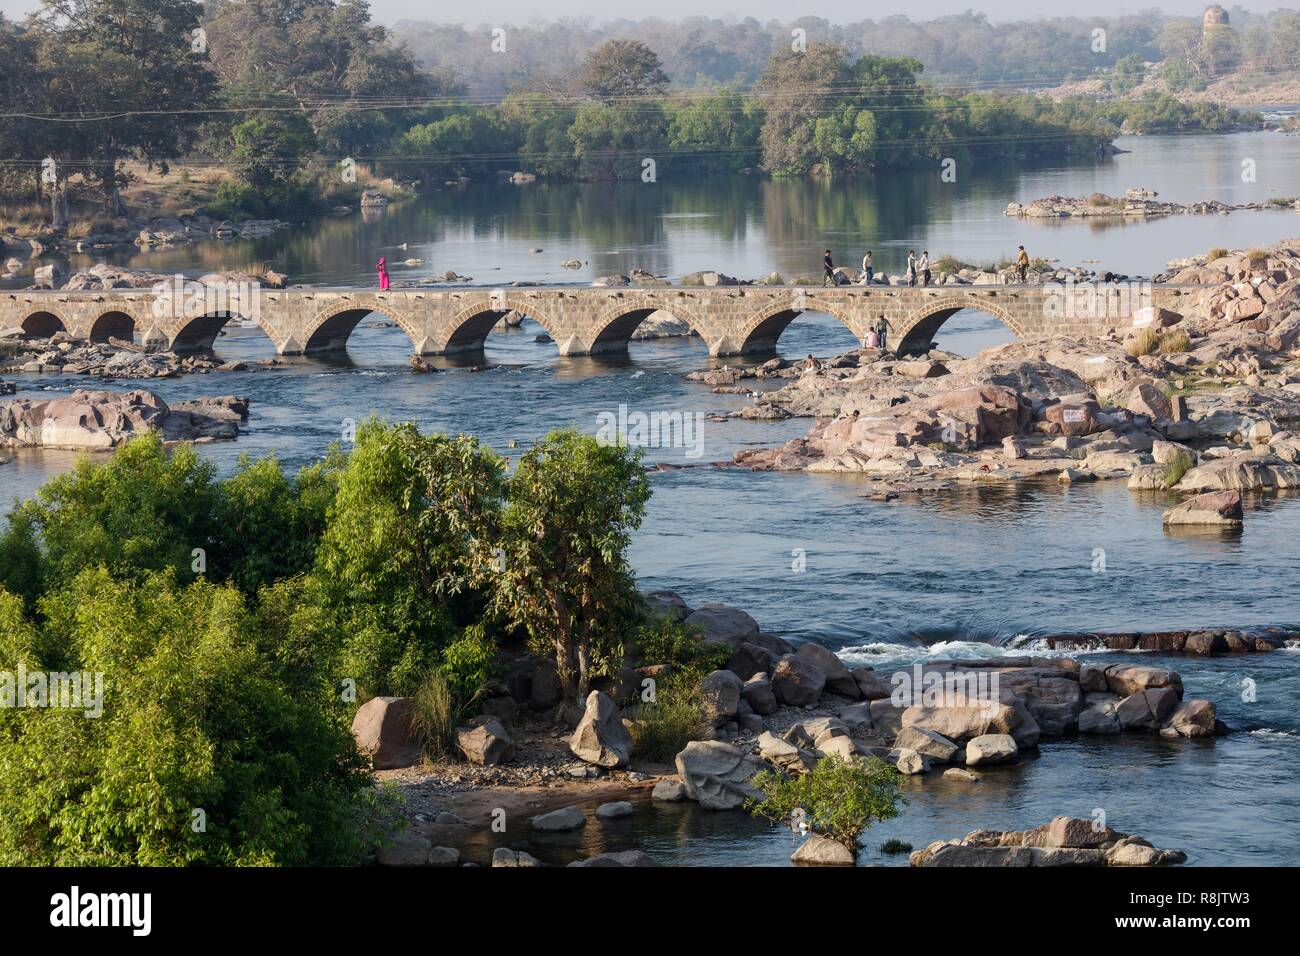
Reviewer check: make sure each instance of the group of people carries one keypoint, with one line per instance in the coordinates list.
(915, 267)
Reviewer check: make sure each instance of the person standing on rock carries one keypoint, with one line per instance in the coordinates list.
(911, 267)
(829, 267)
(1022, 264)
(883, 328)
(925, 267)
(867, 271)
(382, 267)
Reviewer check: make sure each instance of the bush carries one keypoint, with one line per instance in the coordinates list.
(662, 729)
(1257, 255)
(434, 717)
(200, 754)
(894, 847)
(661, 640)
(839, 798)
(1175, 341)
(1175, 469)
(1218, 252)
(1144, 342)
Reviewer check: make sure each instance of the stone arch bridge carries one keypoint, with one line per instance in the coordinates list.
(731, 320)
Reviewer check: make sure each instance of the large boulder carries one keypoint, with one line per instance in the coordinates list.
(797, 681)
(962, 724)
(717, 775)
(485, 741)
(990, 748)
(1125, 679)
(838, 678)
(560, 821)
(722, 624)
(869, 684)
(1191, 718)
(784, 754)
(1221, 508)
(382, 727)
(1147, 709)
(720, 696)
(935, 747)
(601, 738)
(405, 849)
(546, 689)
(750, 659)
(668, 604)
(758, 694)
(818, 850)
(1146, 399)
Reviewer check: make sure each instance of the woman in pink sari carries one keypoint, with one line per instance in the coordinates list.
(383, 272)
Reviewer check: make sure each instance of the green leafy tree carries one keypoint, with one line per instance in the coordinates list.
(126, 80)
(199, 755)
(266, 151)
(144, 509)
(564, 576)
(838, 798)
(405, 547)
(622, 68)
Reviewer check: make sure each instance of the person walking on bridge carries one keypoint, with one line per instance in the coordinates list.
(925, 267)
(911, 267)
(867, 272)
(382, 267)
(829, 268)
(1022, 265)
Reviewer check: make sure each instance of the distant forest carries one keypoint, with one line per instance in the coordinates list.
(703, 53)
(276, 95)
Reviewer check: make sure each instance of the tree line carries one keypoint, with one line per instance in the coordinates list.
(280, 92)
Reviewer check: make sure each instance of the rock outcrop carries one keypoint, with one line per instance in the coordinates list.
(101, 420)
(1065, 841)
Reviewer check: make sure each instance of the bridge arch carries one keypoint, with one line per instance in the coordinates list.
(199, 334)
(615, 327)
(329, 330)
(470, 327)
(761, 331)
(114, 324)
(43, 324)
(919, 329)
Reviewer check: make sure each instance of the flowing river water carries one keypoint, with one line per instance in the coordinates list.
(884, 583)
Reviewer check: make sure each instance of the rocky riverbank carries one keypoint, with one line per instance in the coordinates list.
(102, 420)
(142, 232)
(536, 765)
(115, 359)
(1206, 401)
(1134, 204)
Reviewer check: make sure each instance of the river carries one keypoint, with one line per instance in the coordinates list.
(884, 583)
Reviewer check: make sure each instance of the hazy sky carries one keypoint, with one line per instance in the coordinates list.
(840, 11)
